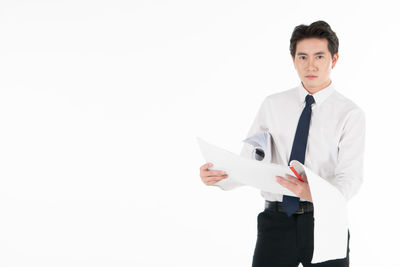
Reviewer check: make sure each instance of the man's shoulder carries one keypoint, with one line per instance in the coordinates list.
(344, 103)
(282, 95)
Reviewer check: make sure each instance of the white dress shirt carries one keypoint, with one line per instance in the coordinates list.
(335, 145)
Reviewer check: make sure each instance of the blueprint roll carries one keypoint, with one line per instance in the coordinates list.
(261, 143)
(258, 154)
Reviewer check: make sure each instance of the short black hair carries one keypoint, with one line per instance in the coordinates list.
(319, 29)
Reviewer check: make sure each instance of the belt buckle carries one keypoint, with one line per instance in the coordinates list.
(300, 211)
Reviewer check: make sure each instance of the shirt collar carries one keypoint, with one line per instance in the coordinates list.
(319, 96)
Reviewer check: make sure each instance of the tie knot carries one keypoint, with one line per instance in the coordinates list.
(309, 100)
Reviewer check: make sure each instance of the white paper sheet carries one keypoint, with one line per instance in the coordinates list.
(330, 217)
(330, 210)
(246, 171)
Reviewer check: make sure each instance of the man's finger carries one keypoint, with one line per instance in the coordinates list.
(215, 173)
(292, 178)
(289, 185)
(214, 178)
(206, 166)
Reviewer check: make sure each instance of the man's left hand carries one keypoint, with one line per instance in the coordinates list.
(299, 188)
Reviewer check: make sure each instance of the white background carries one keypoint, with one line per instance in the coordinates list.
(101, 101)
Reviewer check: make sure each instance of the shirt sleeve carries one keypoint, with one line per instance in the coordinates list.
(349, 169)
(257, 126)
(247, 149)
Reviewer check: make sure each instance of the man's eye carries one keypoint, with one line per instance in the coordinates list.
(302, 57)
(320, 57)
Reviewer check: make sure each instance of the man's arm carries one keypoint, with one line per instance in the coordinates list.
(349, 169)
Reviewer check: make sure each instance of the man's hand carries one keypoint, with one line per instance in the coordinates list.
(210, 177)
(299, 188)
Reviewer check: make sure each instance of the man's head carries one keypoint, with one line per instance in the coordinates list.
(314, 51)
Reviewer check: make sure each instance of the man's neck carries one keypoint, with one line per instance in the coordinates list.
(317, 89)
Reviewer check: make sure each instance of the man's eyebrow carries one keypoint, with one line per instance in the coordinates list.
(305, 54)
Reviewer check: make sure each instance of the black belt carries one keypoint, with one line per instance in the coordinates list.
(304, 206)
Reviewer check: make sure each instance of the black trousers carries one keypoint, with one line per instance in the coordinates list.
(284, 241)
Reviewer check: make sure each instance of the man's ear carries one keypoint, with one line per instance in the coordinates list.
(335, 59)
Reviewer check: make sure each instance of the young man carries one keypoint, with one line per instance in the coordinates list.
(316, 125)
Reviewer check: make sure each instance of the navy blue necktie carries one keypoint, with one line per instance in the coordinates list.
(291, 204)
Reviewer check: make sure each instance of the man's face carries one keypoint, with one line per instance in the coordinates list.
(313, 63)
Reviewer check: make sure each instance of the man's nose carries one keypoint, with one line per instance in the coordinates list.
(311, 65)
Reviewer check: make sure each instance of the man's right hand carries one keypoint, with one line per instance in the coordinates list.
(210, 177)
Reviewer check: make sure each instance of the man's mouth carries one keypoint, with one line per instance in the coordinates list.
(311, 76)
